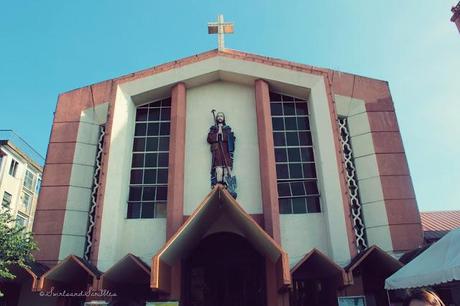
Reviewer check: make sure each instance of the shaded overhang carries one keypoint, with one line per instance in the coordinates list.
(217, 203)
(33, 271)
(375, 261)
(128, 271)
(71, 273)
(316, 265)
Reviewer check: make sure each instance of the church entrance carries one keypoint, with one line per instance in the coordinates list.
(224, 270)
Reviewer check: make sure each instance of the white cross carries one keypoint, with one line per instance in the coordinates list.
(220, 28)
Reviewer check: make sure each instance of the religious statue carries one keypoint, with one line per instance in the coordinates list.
(222, 141)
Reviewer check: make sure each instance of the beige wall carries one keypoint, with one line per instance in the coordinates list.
(238, 104)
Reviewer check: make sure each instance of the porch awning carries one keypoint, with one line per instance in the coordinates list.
(316, 265)
(73, 273)
(129, 270)
(33, 272)
(439, 264)
(216, 204)
(376, 261)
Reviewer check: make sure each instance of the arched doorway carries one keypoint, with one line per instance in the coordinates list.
(224, 269)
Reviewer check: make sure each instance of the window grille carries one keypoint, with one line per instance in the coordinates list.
(294, 155)
(149, 169)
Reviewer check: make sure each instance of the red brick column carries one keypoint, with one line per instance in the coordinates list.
(175, 206)
(267, 161)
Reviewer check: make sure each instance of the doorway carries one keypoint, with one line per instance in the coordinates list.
(224, 270)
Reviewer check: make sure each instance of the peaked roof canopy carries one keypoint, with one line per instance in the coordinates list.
(216, 204)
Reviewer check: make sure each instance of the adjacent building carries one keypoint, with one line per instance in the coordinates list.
(325, 200)
(20, 178)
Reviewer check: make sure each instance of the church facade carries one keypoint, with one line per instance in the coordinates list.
(324, 205)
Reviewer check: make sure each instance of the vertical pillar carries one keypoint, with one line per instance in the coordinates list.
(267, 161)
(268, 184)
(175, 206)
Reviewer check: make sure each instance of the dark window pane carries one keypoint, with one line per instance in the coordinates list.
(278, 124)
(135, 193)
(295, 170)
(141, 129)
(166, 102)
(275, 97)
(307, 154)
(294, 155)
(139, 144)
(282, 171)
(154, 114)
(147, 210)
(152, 144)
(165, 114)
(160, 210)
(162, 176)
(134, 210)
(164, 144)
(138, 160)
(278, 139)
(150, 176)
(162, 193)
(313, 205)
(292, 139)
(291, 123)
(305, 139)
(148, 194)
(285, 206)
(284, 190)
(153, 129)
(289, 109)
(287, 98)
(297, 189)
(311, 188)
(276, 109)
(303, 123)
(141, 114)
(280, 155)
(151, 160)
(163, 159)
(164, 129)
(155, 104)
(298, 206)
(302, 109)
(309, 170)
(136, 177)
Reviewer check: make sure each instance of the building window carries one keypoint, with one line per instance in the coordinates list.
(295, 163)
(38, 185)
(6, 199)
(21, 221)
(26, 200)
(149, 169)
(29, 181)
(13, 168)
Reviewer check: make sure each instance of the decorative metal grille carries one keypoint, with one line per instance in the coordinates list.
(94, 190)
(352, 182)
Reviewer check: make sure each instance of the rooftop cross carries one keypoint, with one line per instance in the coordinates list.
(220, 28)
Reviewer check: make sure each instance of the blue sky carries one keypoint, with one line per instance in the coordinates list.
(49, 47)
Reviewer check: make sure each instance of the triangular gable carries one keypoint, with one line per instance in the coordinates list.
(34, 271)
(216, 203)
(130, 269)
(384, 262)
(316, 265)
(68, 273)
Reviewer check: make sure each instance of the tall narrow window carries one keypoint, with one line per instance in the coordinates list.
(6, 201)
(295, 163)
(29, 181)
(149, 169)
(13, 168)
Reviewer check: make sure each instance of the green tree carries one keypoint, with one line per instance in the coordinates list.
(16, 245)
